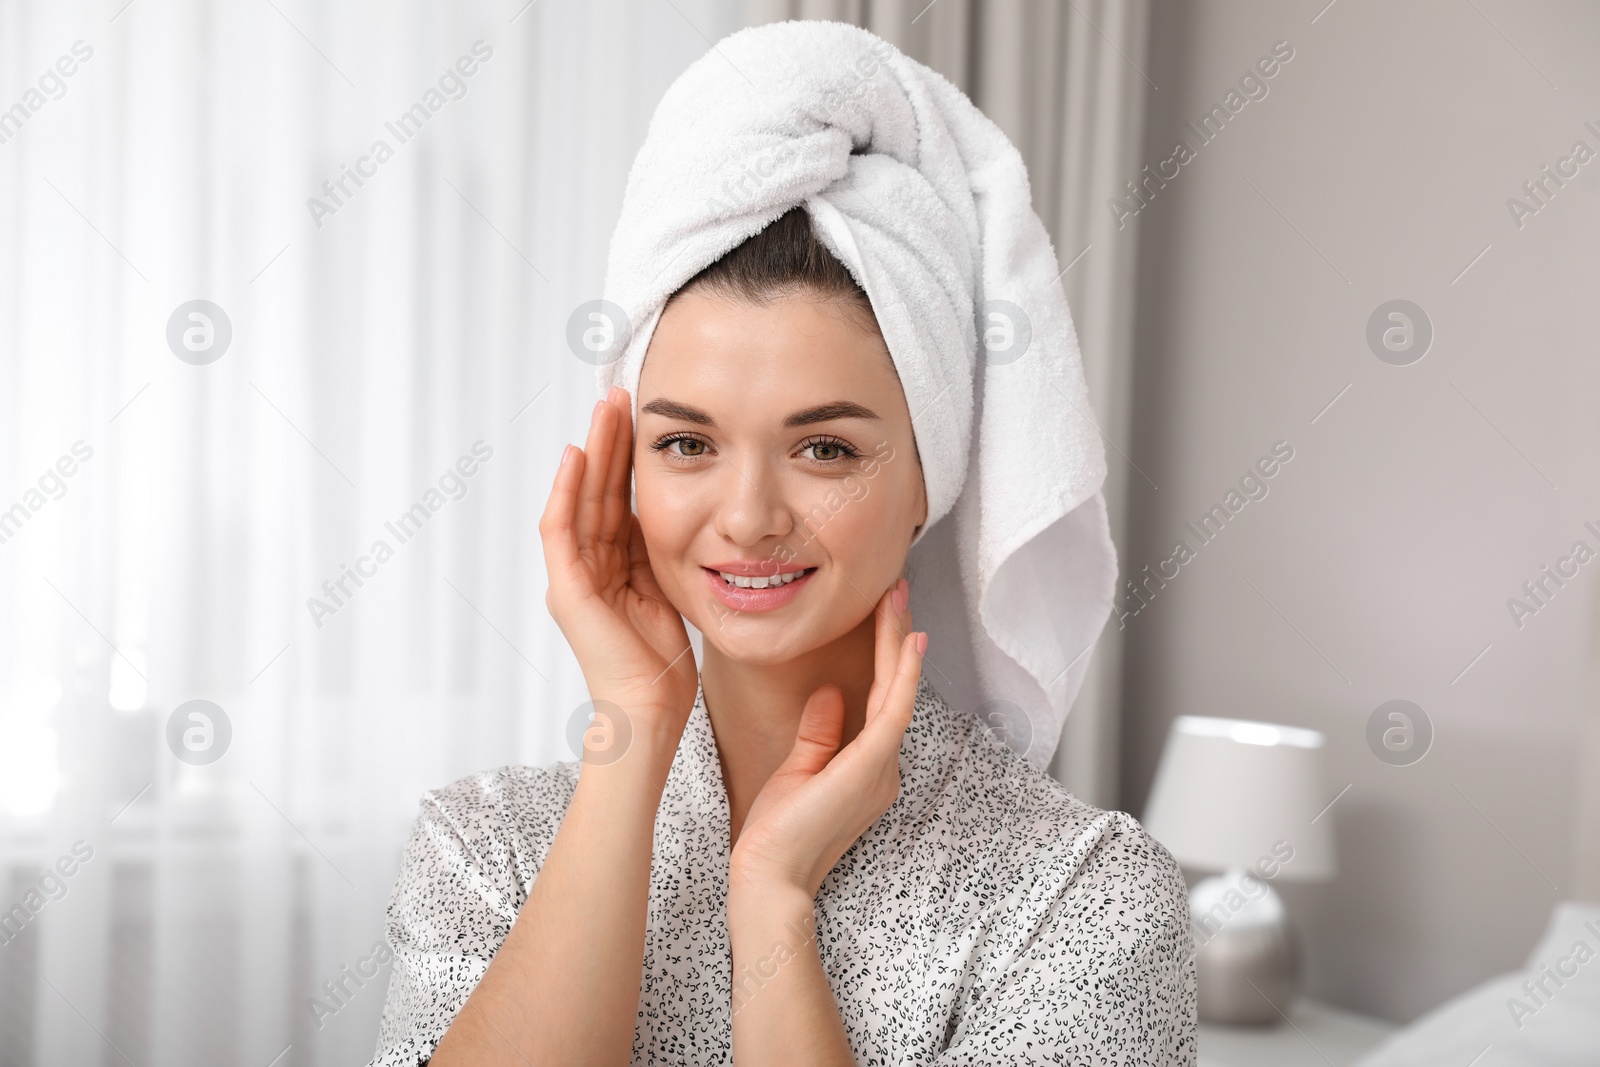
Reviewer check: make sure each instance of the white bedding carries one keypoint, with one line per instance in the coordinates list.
(1546, 1015)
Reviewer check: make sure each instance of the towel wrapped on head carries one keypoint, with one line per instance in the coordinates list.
(927, 204)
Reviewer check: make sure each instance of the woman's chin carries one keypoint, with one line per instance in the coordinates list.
(756, 642)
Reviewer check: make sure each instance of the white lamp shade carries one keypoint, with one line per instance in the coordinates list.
(1232, 793)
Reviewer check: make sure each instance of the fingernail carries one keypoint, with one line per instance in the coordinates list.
(597, 406)
(566, 454)
(617, 395)
(922, 643)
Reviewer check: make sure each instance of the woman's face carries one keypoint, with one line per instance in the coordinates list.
(773, 442)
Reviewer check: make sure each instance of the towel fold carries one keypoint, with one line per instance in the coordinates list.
(927, 204)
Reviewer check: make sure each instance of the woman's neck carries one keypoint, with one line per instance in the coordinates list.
(755, 710)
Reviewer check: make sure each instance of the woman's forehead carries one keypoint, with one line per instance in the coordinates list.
(709, 350)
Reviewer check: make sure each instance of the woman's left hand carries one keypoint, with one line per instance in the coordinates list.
(822, 799)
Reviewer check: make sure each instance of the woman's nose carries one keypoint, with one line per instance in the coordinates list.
(752, 508)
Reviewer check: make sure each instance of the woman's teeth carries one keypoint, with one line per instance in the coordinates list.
(763, 581)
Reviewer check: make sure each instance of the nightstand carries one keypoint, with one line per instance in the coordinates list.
(1321, 1035)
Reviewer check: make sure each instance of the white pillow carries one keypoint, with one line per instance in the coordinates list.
(1546, 1015)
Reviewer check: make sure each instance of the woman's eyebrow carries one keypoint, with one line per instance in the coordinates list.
(838, 409)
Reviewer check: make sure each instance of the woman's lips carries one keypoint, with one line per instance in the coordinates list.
(755, 599)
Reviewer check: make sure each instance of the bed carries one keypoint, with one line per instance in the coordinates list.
(1548, 1013)
(1545, 1015)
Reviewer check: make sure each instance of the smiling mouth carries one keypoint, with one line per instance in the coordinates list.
(762, 581)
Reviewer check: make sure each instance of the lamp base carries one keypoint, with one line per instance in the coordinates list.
(1247, 957)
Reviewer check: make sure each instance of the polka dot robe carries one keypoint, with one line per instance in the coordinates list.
(989, 917)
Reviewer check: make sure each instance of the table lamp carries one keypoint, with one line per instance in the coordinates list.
(1249, 800)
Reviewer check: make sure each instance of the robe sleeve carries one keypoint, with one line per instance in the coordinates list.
(1106, 976)
(452, 906)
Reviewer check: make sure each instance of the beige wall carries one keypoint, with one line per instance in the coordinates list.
(1381, 561)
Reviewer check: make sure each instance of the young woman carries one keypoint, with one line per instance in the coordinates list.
(790, 849)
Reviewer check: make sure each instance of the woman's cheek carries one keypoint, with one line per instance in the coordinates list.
(854, 536)
(854, 487)
(664, 524)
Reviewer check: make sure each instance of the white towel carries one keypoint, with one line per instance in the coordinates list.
(927, 203)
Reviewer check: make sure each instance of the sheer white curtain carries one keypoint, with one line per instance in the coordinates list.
(178, 525)
(376, 339)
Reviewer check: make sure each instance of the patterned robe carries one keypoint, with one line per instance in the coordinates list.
(989, 917)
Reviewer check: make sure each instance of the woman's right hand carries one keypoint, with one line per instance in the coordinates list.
(630, 641)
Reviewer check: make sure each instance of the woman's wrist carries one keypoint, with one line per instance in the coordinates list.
(767, 930)
(783, 1004)
(633, 753)
(768, 909)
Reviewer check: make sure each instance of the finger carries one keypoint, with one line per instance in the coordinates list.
(556, 524)
(876, 749)
(598, 446)
(640, 574)
(889, 719)
(821, 728)
(615, 504)
(571, 582)
(892, 627)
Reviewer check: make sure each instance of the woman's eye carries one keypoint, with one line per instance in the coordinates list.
(686, 446)
(829, 451)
